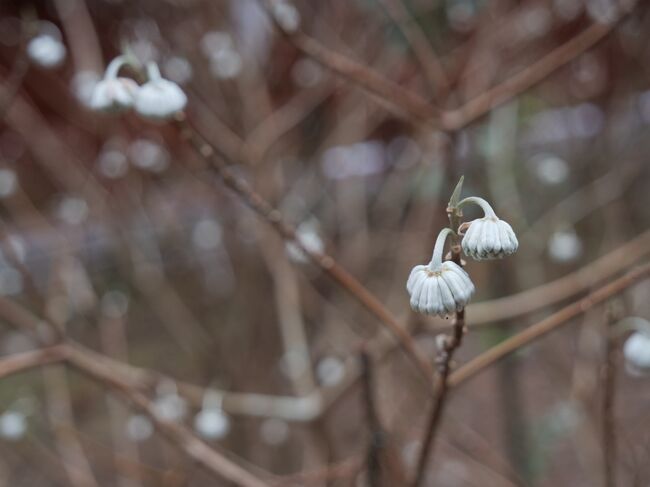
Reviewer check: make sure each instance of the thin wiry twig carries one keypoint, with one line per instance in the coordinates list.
(419, 44)
(446, 353)
(548, 324)
(419, 111)
(326, 263)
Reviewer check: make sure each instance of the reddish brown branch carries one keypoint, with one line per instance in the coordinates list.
(548, 325)
(348, 282)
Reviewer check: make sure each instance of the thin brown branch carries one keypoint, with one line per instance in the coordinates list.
(326, 263)
(447, 348)
(399, 100)
(213, 461)
(419, 44)
(524, 80)
(373, 462)
(548, 324)
(20, 362)
(404, 102)
(608, 395)
(563, 288)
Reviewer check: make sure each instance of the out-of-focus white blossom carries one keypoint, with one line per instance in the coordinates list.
(72, 210)
(488, 237)
(139, 427)
(168, 404)
(330, 371)
(113, 163)
(564, 245)
(206, 234)
(550, 169)
(212, 423)
(158, 98)
(178, 69)
(306, 73)
(149, 155)
(637, 352)
(113, 94)
(8, 181)
(13, 425)
(83, 85)
(286, 15)
(439, 288)
(46, 51)
(361, 159)
(226, 63)
(114, 304)
(307, 235)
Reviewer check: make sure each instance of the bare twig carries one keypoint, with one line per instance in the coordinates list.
(548, 324)
(608, 395)
(448, 346)
(210, 459)
(509, 307)
(322, 260)
(419, 44)
(20, 362)
(374, 425)
(419, 110)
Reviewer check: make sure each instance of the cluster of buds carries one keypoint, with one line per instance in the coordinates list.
(443, 287)
(156, 99)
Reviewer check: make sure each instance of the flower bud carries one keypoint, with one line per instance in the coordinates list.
(158, 98)
(113, 94)
(439, 288)
(488, 237)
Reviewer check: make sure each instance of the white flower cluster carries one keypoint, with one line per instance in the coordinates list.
(441, 288)
(157, 99)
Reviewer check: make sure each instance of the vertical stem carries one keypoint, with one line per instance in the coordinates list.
(608, 396)
(443, 361)
(376, 432)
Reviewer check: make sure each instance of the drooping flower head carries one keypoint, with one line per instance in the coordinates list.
(113, 94)
(158, 98)
(439, 288)
(488, 237)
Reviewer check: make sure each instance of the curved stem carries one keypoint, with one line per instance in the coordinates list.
(631, 323)
(153, 73)
(114, 67)
(485, 206)
(436, 258)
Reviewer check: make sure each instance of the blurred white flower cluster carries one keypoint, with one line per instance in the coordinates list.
(156, 99)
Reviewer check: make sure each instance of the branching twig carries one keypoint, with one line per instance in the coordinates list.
(548, 324)
(322, 260)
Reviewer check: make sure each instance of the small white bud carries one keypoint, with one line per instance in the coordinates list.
(439, 288)
(46, 51)
(488, 237)
(637, 353)
(158, 98)
(212, 423)
(113, 94)
(308, 236)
